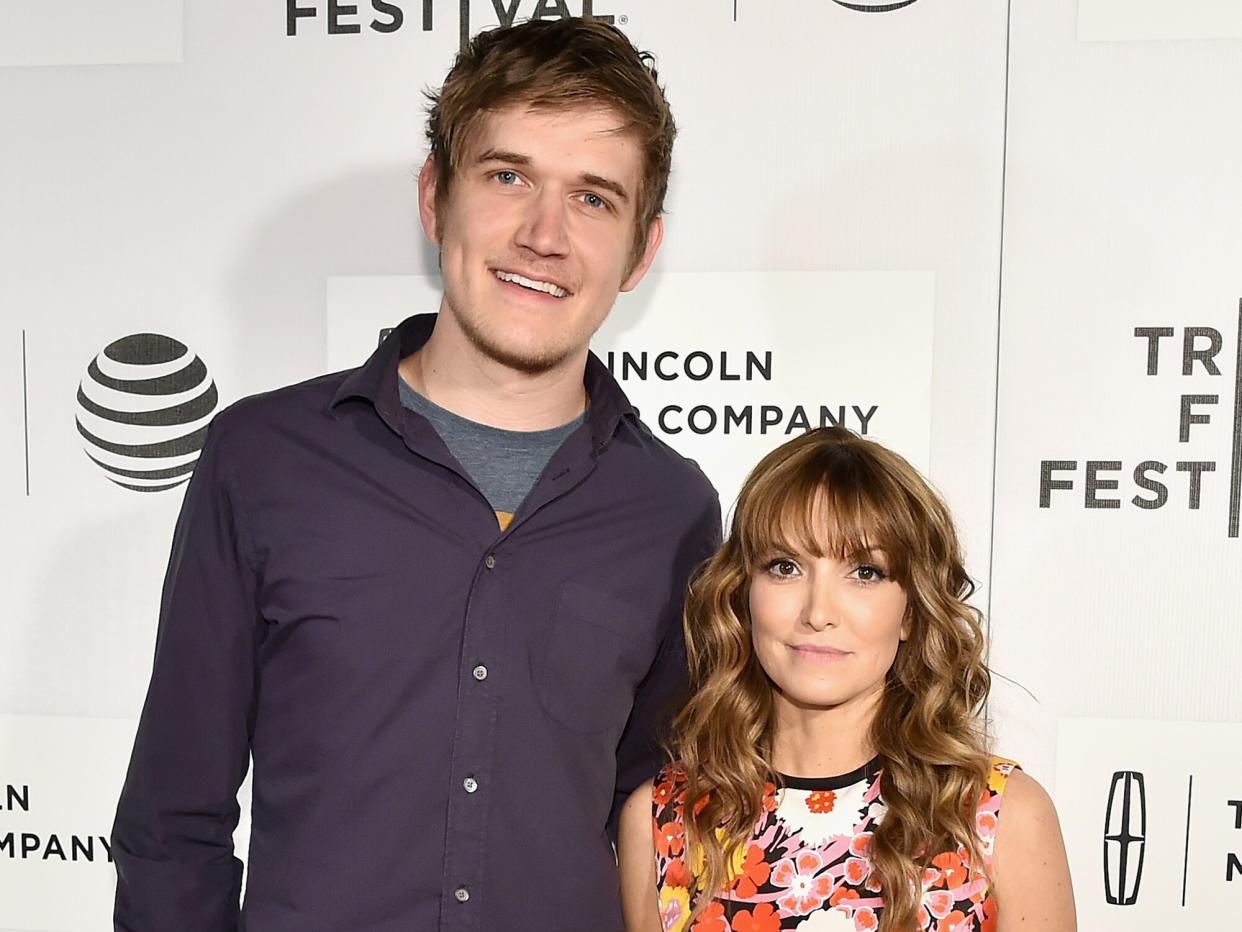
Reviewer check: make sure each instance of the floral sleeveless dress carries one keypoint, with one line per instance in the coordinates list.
(806, 865)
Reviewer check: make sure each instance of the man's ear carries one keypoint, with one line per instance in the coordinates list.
(655, 236)
(428, 192)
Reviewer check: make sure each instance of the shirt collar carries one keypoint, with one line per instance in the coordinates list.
(376, 381)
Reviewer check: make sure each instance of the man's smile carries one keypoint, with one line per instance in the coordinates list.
(534, 284)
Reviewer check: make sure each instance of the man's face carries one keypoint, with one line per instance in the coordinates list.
(536, 238)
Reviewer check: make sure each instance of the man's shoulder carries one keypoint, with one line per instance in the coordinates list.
(289, 404)
(680, 474)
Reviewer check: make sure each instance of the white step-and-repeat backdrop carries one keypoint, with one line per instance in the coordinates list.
(1003, 237)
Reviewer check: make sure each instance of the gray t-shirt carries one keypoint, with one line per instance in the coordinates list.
(504, 464)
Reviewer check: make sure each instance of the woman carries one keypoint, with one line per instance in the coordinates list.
(831, 770)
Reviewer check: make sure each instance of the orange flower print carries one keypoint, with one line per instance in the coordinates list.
(701, 803)
(865, 920)
(753, 875)
(798, 876)
(989, 916)
(769, 797)
(955, 872)
(955, 922)
(860, 845)
(856, 871)
(711, 919)
(931, 877)
(677, 875)
(670, 839)
(821, 801)
(763, 919)
(843, 895)
(938, 903)
(662, 793)
(986, 823)
(923, 918)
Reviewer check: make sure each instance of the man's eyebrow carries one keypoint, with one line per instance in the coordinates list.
(502, 155)
(606, 183)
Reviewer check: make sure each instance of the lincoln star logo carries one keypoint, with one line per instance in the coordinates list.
(1125, 838)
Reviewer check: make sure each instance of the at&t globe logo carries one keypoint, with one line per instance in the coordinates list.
(873, 6)
(143, 410)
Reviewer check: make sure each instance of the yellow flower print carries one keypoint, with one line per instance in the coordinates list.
(733, 869)
(674, 909)
(999, 774)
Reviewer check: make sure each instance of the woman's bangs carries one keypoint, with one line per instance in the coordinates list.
(823, 512)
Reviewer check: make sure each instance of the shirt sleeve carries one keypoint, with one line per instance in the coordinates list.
(640, 753)
(172, 840)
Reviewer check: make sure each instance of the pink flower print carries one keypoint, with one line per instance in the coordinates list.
(939, 903)
(865, 920)
(860, 845)
(856, 871)
(805, 891)
(986, 823)
(923, 918)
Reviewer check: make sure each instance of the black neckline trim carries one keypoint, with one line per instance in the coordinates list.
(838, 782)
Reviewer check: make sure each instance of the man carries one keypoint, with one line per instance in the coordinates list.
(438, 597)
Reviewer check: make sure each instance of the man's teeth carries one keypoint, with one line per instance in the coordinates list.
(545, 287)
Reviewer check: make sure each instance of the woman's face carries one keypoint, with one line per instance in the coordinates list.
(826, 629)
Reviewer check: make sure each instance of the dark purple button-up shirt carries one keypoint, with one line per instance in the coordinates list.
(443, 718)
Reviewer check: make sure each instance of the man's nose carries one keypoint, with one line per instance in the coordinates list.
(544, 228)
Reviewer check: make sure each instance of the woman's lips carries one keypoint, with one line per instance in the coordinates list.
(820, 654)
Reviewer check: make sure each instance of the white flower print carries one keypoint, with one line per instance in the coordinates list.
(826, 920)
(819, 827)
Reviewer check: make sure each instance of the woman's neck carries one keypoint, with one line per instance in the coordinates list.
(822, 742)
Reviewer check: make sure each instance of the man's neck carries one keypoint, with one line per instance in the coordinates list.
(451, 373)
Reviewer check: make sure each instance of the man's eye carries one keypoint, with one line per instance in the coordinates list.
(507, 177)
(595, 201)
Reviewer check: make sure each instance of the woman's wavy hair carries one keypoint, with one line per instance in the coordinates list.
(830, 491)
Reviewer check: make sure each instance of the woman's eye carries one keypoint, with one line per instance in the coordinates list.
(869, 573)
(783, 567)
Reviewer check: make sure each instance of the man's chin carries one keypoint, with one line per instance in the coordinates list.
(530, 359)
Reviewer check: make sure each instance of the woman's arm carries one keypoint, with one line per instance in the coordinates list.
(1030, 872)
(636, 859)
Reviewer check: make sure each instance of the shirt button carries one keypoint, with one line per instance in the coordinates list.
(461, 894)
(480, 673)
(490, 562)
(470, 784)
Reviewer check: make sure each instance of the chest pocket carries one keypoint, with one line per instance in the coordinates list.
(599, 650)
